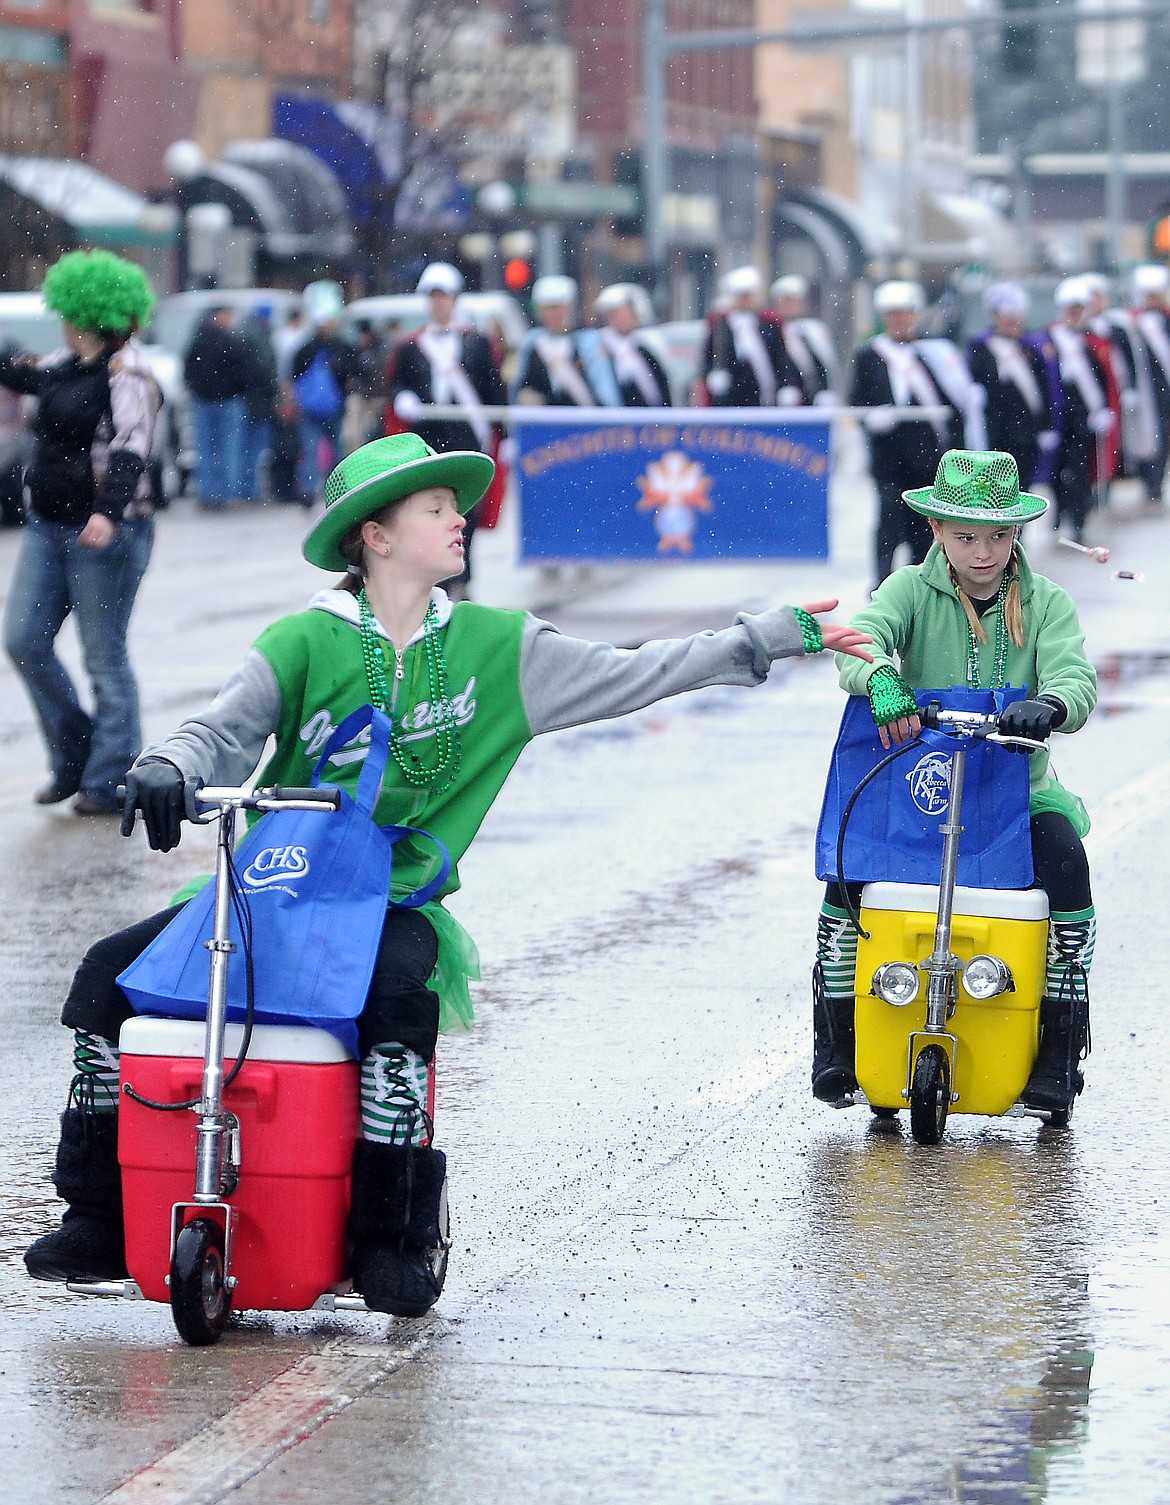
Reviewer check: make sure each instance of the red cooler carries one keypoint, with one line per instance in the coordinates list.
(297, 1102)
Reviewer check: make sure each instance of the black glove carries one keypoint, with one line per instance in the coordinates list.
(155, 787)
(1031, 718)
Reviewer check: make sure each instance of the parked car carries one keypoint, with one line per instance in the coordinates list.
(28, 324)
(172, 328)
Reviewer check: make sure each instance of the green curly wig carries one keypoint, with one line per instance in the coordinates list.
(98, 292)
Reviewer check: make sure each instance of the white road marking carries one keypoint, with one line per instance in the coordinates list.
(282, 1413)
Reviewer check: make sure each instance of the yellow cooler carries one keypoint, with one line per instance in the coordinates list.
(996, 1037)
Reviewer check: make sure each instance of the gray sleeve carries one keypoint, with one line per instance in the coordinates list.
(567, 681)
(225, 743)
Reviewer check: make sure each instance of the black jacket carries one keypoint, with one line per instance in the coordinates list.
(410, 371)
(909, 452)
(1011, 424)
(719, 355)
(73, 400)
(217, 363)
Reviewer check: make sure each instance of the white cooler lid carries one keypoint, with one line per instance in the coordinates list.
(984, 903)
(145, 1035)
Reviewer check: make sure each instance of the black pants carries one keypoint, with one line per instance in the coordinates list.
(399, 1007)
(1062, 868)
(897, 524)
(1071, 485)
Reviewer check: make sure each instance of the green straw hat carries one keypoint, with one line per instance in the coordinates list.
(977, 486)
(385, 471)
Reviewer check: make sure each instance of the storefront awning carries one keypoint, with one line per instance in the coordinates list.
(100, 211)
(285, 194)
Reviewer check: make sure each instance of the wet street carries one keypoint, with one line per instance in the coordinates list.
(675, 1277)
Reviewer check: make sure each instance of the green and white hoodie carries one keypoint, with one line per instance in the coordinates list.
(510, 677)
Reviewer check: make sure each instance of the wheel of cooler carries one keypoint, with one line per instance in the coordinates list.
(992, 1041)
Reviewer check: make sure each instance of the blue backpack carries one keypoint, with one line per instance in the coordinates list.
(319, 394)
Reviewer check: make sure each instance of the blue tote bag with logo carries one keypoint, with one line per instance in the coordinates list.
(316, 887)
(894, 830)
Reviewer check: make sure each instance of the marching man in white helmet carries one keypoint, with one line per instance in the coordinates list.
(626, 309)
(448, 363)
(891, 380)
(1150, 286)
(745, 364)
(807, 341)
(559, 364)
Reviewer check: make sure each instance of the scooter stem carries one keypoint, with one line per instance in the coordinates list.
(212, 1125)
(941, 965)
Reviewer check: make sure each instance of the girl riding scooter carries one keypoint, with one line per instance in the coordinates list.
(974, 613)
(466, 688)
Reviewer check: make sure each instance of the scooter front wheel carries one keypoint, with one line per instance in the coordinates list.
(930, 1095)
(200, 1299)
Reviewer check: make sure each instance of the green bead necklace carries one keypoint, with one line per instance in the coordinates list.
(447, 740)
(1000, 668)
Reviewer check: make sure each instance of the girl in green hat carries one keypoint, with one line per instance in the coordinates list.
(90, 530)
(466, 688)
(974, 613)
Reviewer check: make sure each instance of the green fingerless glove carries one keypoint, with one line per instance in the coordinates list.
(810, 630)
(890, 697)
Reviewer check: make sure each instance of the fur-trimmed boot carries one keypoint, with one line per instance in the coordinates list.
(90, 1244)
(398, 1224)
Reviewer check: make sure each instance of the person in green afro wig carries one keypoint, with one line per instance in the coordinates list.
(99, 293)
(90, 527)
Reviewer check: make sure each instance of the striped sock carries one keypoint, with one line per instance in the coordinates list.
(95, 1062)
(836, 951)
(1072, 939)
(394, 1096)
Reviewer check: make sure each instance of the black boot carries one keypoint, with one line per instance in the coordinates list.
(89, 1245)
(833, 1044)
(398, 1224)
(1064, 1040)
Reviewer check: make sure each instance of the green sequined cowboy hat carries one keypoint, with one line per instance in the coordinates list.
(977, 486)
(385, 471)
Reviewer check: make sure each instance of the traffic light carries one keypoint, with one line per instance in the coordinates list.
(1019, 45)
(1160, 236)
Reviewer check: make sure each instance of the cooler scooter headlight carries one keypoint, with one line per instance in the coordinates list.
(896, 983)
(985, 976)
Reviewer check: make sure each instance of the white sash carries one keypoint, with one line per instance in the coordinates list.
(910, 381)
(1014, 366)
(450, 383)
(1073, 355)
(1152, 323)
(749, 348)
(630, 365)
(557, 351)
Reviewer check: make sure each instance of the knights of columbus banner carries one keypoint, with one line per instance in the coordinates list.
(709, 485)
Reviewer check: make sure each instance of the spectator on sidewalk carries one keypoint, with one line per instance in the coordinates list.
(323, 370)
(261, 401)
(216, 373)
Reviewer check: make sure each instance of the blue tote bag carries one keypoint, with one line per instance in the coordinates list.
(317, 391)
(317, 887)
(894, 829)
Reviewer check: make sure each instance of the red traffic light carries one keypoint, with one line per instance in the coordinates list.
(517, 274)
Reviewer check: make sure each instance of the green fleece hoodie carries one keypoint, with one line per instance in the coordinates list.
(918, 625)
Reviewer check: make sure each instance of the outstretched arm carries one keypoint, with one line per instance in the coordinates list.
(568, 681)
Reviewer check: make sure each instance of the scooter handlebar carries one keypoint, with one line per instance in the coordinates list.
(324, 797)
(981, 724)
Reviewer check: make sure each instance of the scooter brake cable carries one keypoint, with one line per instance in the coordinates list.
(855, 914)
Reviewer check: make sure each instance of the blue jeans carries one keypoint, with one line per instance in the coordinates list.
(313, 430)
(55, 575)
(219, 428)
(257, 437)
